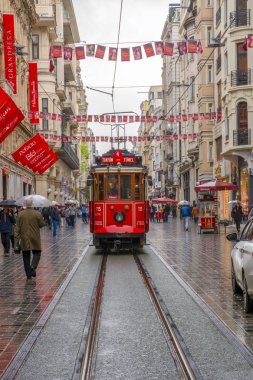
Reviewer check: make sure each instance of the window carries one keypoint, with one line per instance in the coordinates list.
(45, 111)
(227, 124)
(159, 95)
(186, 184)
(210, 107)
(210, 153)
(137, 187)
(218, 147)
(226, 64)
(209, 3)
(209, 35)
(101, 187)
(125, 186)
(113, 186)
(219, 96)
(209, 74)
(35, 46)
(225, 12)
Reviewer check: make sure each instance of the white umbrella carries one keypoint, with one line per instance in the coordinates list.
(183, 203)
(37, 201)
(234, 202)
(71, 202)
(54, 203)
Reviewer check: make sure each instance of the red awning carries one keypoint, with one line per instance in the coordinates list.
(216, 185)
(163, 200)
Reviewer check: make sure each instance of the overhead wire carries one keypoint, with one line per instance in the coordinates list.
(116, 62)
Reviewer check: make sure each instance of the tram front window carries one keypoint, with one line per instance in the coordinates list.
(112, 186)
(125, 187)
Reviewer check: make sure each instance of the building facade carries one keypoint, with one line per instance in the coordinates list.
(39, 25)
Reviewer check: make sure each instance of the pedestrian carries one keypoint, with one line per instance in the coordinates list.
(56, 219)
(27, 231)
(195, 213)
(237, 215)
(185, 213)
(72, 216)
(7, 221)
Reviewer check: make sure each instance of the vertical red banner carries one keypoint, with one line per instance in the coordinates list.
(9, 58)
(33, 91)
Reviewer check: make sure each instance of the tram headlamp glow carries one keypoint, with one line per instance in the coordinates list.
(119, 217)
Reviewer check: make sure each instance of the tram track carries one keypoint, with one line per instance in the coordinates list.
(185, 364)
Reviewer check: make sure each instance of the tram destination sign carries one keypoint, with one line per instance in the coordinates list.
(118, 158)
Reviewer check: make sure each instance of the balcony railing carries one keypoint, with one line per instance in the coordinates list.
(69, 156)
(218, 63)
(218, 16)
(240, 18)
(240, 78)
(242, 137)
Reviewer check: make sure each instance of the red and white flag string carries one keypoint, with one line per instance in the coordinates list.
(77, 139)
(127, 53)
(122, 118)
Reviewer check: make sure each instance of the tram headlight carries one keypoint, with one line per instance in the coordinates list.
(119, 217)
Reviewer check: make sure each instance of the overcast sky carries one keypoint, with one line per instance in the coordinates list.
(141, 21)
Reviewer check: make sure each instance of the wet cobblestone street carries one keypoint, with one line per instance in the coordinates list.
(22, 303)
(203, 261)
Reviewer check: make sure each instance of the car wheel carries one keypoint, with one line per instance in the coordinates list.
(246, 298)
(235, 287)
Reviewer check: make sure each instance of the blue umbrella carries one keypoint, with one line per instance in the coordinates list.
(8, 203)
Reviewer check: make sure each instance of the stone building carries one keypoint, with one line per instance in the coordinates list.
(38, 25)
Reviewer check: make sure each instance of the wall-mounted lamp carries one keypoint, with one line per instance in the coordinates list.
(61, 193)
(55, 193)
(49, 190)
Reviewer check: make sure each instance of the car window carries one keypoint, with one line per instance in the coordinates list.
(246, 229)
(249, 235)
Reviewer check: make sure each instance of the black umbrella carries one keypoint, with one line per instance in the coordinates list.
(8, 203)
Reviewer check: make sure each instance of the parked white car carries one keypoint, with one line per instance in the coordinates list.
(242, 264)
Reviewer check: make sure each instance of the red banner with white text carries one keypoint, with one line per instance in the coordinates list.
(9, 48)
(33, 92)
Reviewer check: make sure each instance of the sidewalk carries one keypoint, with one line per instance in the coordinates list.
(22, 304)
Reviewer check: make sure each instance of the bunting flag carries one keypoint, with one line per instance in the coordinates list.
(137, 52)
(67, 53)
(33, 92)
(121, 118)
(100, 52)
(113, 54)
(248, 42)
(9, 49)
(125, 54)
(80, 54)
(77, 139)
(150, 49)
(10, 115)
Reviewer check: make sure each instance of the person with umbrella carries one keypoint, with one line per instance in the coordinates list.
(27, 231)
(7, 221)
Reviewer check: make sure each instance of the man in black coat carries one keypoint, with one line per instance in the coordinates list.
(237, 215)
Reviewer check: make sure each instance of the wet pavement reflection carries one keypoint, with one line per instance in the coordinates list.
(23, 302)
(203, 261)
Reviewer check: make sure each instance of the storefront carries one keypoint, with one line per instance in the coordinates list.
(244, 189)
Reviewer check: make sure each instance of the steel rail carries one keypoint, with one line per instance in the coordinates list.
(184, 360)
(86, 367)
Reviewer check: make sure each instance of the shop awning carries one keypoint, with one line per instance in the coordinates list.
(216, 185)
(163, 200)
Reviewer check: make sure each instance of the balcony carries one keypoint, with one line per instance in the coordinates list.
(169, 157)
(239, 78)
(68, 155)
(218, 17)
(242, 137)
(46, 12)
(240, 18)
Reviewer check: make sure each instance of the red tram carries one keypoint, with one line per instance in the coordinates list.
(119, 210)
